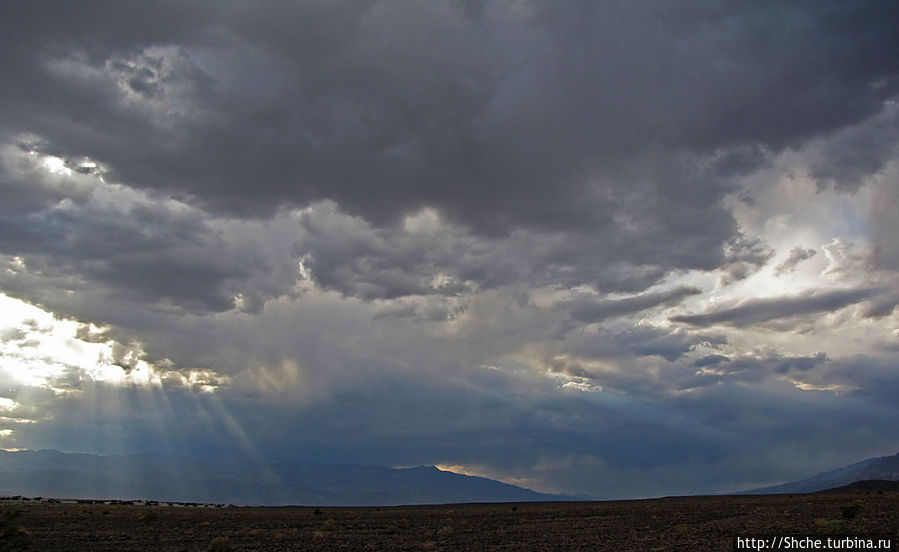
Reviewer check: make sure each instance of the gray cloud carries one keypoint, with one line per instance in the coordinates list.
(12, 334)
(742, 257)
(501, 118)
(756, 311)
(710, 360)
(595, 311)
(492, 119)
(881, 306)
(846, 160)
(885, 225)
(870, 377)
(797, 255)
(762, 365)
(153, 255)
(646, 341)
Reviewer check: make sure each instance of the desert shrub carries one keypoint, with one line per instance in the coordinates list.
(329, 525)
(219, 544)
(834, 526)
(317, 512)
(150, 517)
(851, 511)
(14, 533)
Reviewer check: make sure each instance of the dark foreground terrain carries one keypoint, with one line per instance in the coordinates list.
(692, 523)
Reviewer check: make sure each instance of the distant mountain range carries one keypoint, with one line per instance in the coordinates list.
(50, 473)
(866, 486)
(883, 468)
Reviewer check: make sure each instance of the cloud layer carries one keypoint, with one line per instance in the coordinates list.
(563, 245)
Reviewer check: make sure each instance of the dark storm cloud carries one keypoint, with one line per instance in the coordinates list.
(155, 255)
(501, 116)
(756, 311)
(385, 189)
(860, 151)
(71, 231)
(433, 256)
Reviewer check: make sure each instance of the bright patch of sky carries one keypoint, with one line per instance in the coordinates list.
(37, 349)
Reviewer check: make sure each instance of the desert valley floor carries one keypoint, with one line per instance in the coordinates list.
(684, 523)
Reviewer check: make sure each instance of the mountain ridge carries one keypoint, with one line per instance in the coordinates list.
(877, 468)
(866, 486)
(178, 478)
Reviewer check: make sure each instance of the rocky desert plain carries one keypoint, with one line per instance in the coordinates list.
(676, 523)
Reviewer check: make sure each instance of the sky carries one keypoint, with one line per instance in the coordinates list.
(611, 248)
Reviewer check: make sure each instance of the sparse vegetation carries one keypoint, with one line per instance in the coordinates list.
(834, 526)
(219, 544)
(687, 523)
(12, 535)
(851, 511)
(329, 525)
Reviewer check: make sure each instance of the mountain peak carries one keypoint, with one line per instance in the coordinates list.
(423, 469)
